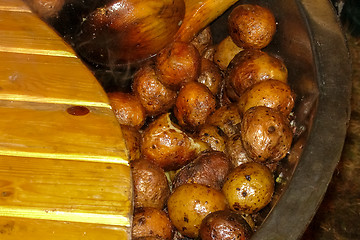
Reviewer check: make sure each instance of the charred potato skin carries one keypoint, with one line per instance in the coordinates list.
(194, 104)
(251, 26)
(225, 224)
(270, 93)
(151, 223)
(127, 108)
(151, 187)
(153, 95)
(251, 66)
(190, 203)
(177, 64)
(210, 76)
(209, 168)
(249, 188)
(164, 144)
(266, 134)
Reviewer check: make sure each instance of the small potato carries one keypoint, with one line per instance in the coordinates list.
(213, 136)
(210, 76)
(249, 188)
(193, 105)
(132, 138)
(251, 26)
(203, 40)
(235, 151)
(178, 64)
(225, 225)
(151, 223)
(151, 187)
(251, 66)
(164, 144)
(225, 51)
(227, 118)
(266, 134)
(209, 53)
(46, 8)
(153, 95)
(190, 203)
(127, 108)
(209, 168)
(270, 93)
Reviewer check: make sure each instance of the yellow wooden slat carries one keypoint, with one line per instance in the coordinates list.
(29, 229)
(49, 131)
(13, 5)
(48, 79)
(62, 190)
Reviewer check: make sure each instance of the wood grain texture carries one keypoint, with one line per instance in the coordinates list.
(64, 170)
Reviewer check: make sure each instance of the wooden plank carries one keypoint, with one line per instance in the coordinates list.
(13, 5)
(62, 190)
(49, 79)
(24, 32)
(30, 229)
(49, 131)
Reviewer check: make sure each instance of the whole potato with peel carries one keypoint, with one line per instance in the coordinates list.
(166, 145)
(213, 136)
(266, 134)
(251, 66)
(270, 93)
(189, 204)
(249, 187)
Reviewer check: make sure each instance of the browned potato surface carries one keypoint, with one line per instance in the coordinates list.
(127, 108)
(193, 105)
(235, 151)
(190, 203)
(150, 223)
(209, 168)
(210, 76)
(249, 187)
(251, 66)
(225, 51)
(178, 64)
(153, 95)
(251, 26)
(132, 138)
(270, 93)
(213, 136)
(166, 145)
(203, 40)
(224, 225)
(266, 134)
(151, 187)
(46, 8)
(227, 118)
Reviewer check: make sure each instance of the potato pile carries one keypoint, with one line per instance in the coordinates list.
(205, 126)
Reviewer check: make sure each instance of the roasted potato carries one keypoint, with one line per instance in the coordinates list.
(166, 145)
(266, 134)
(270, 93)
(251, 26)
(127, 108)
(46, 8)
(151, 187)
(249, 187)
(190, 203)
(194, 104)
(225, 51)
(150, 223)
(132, 138)
(203, 40)
(224, 225)
(210, 76)
(213, 136)
(209, 53)
(178, 64)
(252, 66)
(227, 118)
(235, 151)
(153, 95)
(209, 168)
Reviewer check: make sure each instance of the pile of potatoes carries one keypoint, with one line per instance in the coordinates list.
(205, 126)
